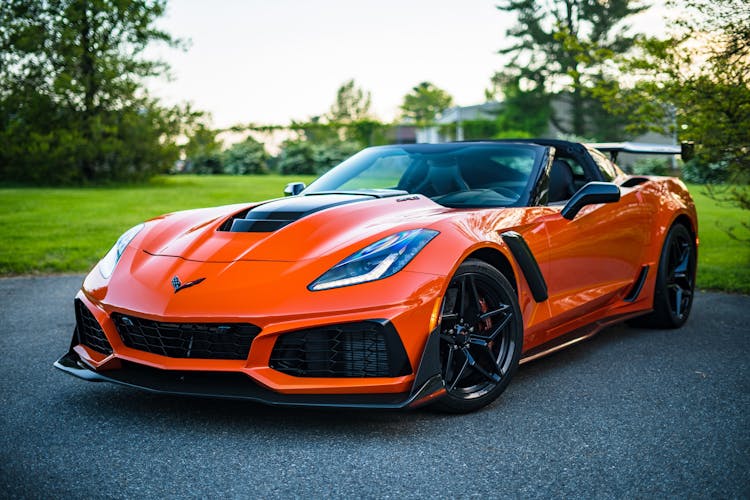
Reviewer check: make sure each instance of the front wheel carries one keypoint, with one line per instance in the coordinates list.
(481, 335)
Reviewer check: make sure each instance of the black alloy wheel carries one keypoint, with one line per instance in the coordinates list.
(481, 335)
(675, 281)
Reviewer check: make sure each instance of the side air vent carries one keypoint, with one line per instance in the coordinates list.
(635, 291)
(365, 349)
(89, 330)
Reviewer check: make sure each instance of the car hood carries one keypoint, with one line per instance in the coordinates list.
(287, 229)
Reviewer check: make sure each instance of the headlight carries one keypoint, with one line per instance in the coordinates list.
(379, 260)
(108, 263)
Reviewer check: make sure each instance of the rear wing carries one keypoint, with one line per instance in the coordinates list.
(685, 150)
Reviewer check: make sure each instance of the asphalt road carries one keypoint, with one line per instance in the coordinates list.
(630, 413)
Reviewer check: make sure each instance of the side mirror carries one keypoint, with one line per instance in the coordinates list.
(294, 188)
(591, 194)
(687, 150)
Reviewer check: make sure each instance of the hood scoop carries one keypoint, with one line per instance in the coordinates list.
(274, 215)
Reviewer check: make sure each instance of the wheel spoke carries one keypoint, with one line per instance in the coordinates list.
(449, 366)
(497, 330)
(503, 308)
(478, 341)
(460, 374)
(464, 298)
(683, 260)
(475, 295)
(494, 377)
(496, 360)
(678, 302)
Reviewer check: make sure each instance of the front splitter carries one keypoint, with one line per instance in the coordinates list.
(234, 385)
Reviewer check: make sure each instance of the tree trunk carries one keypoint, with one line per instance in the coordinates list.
(88, 77)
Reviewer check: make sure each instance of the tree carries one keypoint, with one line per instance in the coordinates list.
(696, 83)
(296, 158)
(424, 103)
(245, 158)
(72, 106)
(352, 104)
(560, 47)
(203, 150)
(524, 113)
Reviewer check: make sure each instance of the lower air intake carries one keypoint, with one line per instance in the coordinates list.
(364, 349)
(89, 330)
(186, 340)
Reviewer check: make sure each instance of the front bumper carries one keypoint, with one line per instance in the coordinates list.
(428, 384)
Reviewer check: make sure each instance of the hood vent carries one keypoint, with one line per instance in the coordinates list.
(274, 215)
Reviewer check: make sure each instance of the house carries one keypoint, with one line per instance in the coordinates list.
(442, 132)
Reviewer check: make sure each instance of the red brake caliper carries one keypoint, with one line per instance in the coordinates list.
(485, 324)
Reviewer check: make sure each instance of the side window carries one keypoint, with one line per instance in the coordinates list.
(605, 166)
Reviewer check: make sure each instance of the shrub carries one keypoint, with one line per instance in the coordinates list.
(245, 158)
(651, 166)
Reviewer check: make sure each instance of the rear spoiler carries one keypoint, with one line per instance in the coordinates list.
(685, 150)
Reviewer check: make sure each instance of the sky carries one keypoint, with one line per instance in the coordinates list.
(272, 61)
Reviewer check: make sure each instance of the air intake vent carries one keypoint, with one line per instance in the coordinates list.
(90, 332)
(366, 349)
(274, 215)
(187, 340)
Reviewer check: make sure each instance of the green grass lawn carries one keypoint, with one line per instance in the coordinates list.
(723, 262)
(45, 230)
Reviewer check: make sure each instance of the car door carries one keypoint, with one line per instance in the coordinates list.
(596, 257)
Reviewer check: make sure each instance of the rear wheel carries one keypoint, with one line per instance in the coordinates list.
(675, 282)
(481, 335)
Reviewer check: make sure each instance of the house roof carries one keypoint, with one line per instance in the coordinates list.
(485, 111)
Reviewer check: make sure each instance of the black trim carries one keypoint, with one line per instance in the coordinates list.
(88, 330)
(592, 193)
(429, 366)
(567, 149)
(637, 285)
(237, 385)
(273, 215)
(634, 181)
(526, 261)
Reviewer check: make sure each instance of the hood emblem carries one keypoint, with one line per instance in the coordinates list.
(179, 285)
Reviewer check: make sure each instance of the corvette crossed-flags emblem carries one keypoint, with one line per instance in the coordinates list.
(179, 285)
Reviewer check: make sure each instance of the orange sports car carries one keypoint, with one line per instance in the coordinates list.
(406, 275)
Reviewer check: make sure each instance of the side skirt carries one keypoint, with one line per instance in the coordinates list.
(571, 338)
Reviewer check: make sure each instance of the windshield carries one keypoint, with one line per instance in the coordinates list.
(456, 175)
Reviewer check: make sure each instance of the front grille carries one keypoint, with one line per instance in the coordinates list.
(89, 330)
(365, 349)
(186, 340)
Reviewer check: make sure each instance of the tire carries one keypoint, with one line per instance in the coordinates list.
(675, 282)
(481, 336)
